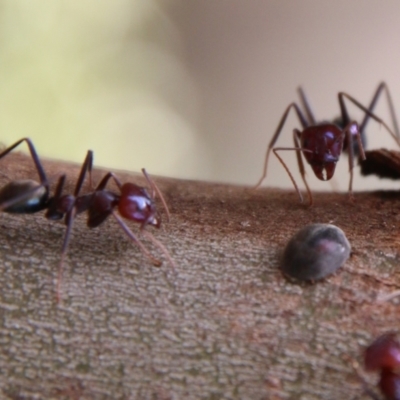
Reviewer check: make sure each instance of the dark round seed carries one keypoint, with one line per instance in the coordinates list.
(315, 251)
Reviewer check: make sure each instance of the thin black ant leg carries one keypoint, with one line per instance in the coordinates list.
(35, 158)
(106, 178)
(155, 188)
(306, 105)
(131, 235)
(57, 210)
(382, 86)
(86, 168)
(343, 110)
(304, 124)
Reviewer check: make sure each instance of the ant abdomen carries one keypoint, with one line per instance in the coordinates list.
(25, 196)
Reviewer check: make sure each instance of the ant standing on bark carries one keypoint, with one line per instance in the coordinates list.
(322, 143)
(382, 87)
(133, 203)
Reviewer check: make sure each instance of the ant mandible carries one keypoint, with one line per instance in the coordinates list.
(133, 203)
(322, 143)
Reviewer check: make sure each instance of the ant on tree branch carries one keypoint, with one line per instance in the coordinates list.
(321, 143)
(133, 202)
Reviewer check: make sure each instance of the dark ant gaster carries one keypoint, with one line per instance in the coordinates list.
(322, 143)
(133, 203)
(383, 162)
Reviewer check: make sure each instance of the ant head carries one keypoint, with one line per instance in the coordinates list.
(322, 145)
(383, 353)
(137, 205)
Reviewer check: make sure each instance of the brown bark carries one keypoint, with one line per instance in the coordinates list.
(224, 324)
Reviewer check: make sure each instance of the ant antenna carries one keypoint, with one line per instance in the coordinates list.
(156, 190)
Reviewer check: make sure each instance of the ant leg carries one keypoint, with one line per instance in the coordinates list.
(155, 262)
(348, 133)
(304, 124)
(86, 167)
(352, 130)
(159, 245)
(68, 207)
(343, 95)
(155, 188)
(15, 194)
(296, 136)
(382, 86)
(57, 210)
(35, 158)
(106, 178)
(54, 211)
(306, 105)
(275, 149)
(69, 220)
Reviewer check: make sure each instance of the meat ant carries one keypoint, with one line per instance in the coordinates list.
(383, 355)
(133, 203)
(322, 143)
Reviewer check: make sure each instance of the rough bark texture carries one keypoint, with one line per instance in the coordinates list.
(224, 325)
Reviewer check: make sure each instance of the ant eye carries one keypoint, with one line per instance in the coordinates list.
(315, 252)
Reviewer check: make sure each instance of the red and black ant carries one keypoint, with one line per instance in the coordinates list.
(133, 203)
(383, 355)
(322, 143)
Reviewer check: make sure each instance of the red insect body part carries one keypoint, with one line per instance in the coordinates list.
(383, 355)
(133, 202)
(321, 144)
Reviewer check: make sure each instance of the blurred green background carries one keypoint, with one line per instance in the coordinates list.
(189, 88)
(101, 75)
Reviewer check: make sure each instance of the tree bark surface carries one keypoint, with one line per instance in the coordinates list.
(223, 324)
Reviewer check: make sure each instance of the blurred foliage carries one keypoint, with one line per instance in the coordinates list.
(100, 75)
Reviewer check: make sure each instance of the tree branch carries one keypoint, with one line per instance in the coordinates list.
(224, 324)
